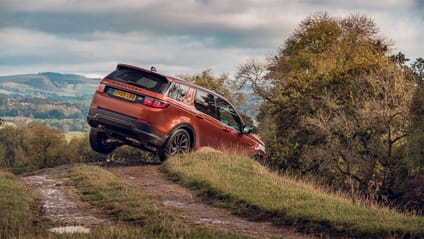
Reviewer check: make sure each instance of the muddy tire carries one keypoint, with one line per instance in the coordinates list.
(178, 143)
(259, 156)
(98, 142)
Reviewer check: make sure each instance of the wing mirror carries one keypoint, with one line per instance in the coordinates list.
(246, 129)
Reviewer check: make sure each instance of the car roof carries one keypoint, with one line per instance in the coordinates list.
(171, 79)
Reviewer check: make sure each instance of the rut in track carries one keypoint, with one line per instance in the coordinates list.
(191, 208)
(59, 201)
(61, 206)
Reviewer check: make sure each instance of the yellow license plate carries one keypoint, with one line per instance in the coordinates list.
(125, 95)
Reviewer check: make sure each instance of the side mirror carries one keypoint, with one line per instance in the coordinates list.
(246, 129)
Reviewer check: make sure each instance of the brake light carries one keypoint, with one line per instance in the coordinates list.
(155, 103)
(101, 88)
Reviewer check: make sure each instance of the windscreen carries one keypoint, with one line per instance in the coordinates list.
(141, 79)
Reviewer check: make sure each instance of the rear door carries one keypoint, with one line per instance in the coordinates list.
(205, 119)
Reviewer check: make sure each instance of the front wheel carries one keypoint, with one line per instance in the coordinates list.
(98, 142)
(178, 143)
(259, 156)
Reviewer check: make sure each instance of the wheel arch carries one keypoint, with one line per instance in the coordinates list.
(190, 131)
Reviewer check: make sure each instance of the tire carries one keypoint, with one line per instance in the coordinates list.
(259, 156)
(98, 142)
(178, 143)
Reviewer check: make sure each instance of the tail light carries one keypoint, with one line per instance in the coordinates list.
(101, 88)
(155, 103)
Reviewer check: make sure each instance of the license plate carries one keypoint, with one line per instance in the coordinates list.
(125, 95)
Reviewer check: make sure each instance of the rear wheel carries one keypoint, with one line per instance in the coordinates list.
(98, 142)
(178, 143)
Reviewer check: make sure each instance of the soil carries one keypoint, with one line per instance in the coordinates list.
(192, 209)
(59, 201)
(61, 206)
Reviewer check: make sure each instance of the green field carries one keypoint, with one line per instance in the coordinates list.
(251, 190)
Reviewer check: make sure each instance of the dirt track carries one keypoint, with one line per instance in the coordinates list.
(60, 203)
(191, 208)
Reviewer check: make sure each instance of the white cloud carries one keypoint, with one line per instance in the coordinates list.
(184, 36)
(101, 51)
(75, 5)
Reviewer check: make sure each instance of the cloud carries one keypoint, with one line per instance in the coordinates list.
(99, 52)
(183, 36)
(217, 22)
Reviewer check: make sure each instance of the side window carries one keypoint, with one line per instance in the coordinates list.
(227, 114)
(178, 91)
(205, 102)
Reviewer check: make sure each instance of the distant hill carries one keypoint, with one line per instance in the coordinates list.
(48, 85)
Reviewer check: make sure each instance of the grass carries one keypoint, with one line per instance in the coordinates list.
(74, 134)
(251, 190)
(129, 204)
(16, 219)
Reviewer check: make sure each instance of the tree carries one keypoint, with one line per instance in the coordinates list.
(222, 85)
(339, 104)
(415, 149)
(418, 69)
(206, 79)
(44, 146)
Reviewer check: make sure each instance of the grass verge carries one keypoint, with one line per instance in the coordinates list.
(129, 204)
(16, 219)
(251, 190)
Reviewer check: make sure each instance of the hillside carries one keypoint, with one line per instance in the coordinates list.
(58, 100)
(251, 190)
(48, 85)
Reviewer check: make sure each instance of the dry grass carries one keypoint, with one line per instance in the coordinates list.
(251, 190)
(16, 219)
(129, 204)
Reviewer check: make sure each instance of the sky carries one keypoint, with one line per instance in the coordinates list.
(90, 37)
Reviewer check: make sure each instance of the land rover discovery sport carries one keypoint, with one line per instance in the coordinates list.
(138, 107)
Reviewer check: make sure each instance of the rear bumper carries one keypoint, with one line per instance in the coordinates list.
(124, 127)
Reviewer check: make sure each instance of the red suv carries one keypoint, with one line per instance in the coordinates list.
(168, 116)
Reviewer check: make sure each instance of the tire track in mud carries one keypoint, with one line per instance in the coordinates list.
(59, 201)
(61, 206)
(192, 209)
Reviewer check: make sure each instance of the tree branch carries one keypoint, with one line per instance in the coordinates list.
(398, 138)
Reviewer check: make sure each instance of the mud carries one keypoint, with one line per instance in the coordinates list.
(192, 209)
(60, 204)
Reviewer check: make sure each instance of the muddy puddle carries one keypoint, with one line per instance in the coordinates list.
(60, 204)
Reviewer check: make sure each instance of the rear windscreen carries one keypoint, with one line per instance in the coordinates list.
(141, 79)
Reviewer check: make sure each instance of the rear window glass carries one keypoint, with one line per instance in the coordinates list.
(141, 79)
(178, 91)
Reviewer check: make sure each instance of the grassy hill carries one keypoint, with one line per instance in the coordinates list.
(251, 190)
(48, 85)
(238, 183)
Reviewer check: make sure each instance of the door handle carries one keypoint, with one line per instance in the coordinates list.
(225, 130)
(200, 117)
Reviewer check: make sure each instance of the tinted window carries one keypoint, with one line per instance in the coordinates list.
(178, 91)
(205, 102)
(227, 114)
(139, 78)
